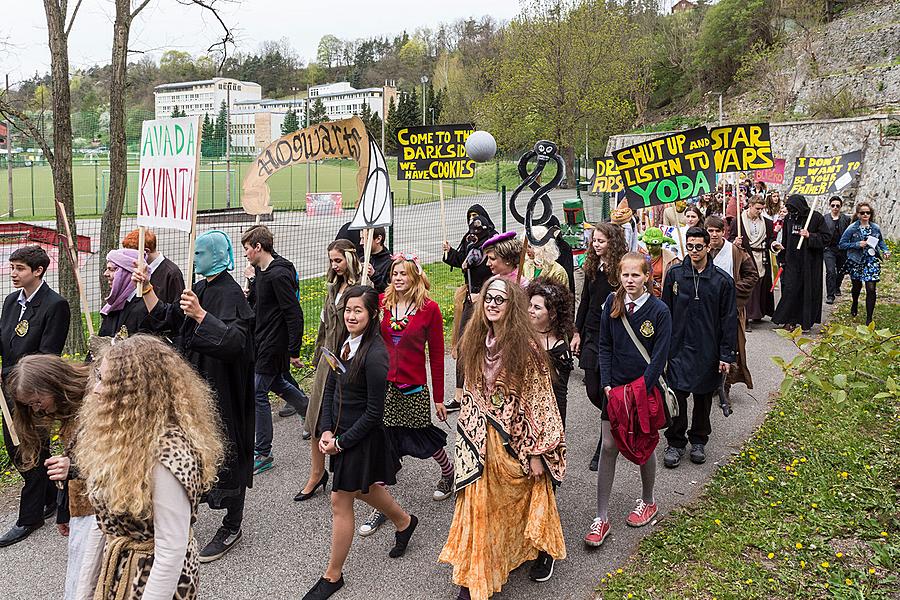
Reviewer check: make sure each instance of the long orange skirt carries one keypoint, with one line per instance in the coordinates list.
(501, 521)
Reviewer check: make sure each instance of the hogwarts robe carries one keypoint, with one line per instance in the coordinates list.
(762, 299)
(124, 322)
(221, 349)
(801, 280)
(743, 271)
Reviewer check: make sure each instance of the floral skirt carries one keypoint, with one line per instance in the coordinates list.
(869, 269)
(501, 520)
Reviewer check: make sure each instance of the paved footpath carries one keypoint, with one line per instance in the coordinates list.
(285, 544)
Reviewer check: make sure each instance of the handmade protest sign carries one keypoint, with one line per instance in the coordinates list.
(741, 147)
(375, 207)
(607, 179)
(671, 168)
(434, 152)
(773, 175)
(346, 138)
(816, 176)
(167, 181)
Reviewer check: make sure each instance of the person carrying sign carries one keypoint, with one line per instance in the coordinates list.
(801, 280)
(213, 324)
(35, 320)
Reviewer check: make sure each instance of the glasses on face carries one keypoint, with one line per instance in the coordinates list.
(835, 206)
(695, 247)
(496, 300)
(865, 212)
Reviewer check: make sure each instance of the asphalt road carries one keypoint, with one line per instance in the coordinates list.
(285, 545)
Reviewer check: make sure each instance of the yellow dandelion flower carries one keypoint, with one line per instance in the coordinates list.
(770, 478)
(802, 564)
(717, 522)
(798, 546)
(848, 581)
(844, 474)
(871, 570)
(825, 564)
(814, 505)
(770, 555)
(630, 595)
(839, 554)
(884, 534)
(619, 571)
(803, 460)
(749, 581)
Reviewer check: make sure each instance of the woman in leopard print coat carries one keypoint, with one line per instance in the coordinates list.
(149, 446)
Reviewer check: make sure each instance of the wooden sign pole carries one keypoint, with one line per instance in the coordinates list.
(142, 232)
(367, 255)
(737, 202)
(522, 256)
(808, 218)
(73, 256)
(443, 221)
(192, 239)
(7, 418)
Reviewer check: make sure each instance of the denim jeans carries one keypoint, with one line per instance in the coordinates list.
(292, 395)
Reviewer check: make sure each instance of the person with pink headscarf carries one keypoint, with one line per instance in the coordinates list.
(124, 313)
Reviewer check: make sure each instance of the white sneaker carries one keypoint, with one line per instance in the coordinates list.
(375, 520)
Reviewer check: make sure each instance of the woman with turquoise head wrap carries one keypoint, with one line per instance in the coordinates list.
(213, 253)
(212, 326)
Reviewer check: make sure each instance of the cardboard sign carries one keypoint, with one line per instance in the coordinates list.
(375, 207)
(741, 147)
(817, 176)
(346, 138)
(607, 179)
(434, 152)
(773, 175)
(167, 182)
(671, 168)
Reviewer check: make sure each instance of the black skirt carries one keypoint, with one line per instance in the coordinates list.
(407, 419)
(373, 460)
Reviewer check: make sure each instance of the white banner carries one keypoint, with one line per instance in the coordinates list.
(167, 182)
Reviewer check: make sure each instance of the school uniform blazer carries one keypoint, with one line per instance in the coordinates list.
(48, 326)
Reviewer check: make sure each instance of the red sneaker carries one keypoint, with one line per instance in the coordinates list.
(597, 533)
(642, 514)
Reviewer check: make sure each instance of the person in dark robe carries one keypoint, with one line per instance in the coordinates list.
(124, 313)
(756, 239)
(701, 298)
(352, 235)
(469, 257)
(213, 324)
(165, 276)
(35, 320)
(801, 280)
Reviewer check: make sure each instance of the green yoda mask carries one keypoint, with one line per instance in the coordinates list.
(654, 238)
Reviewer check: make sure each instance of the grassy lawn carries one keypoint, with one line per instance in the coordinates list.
(809, 507)
(33, 185)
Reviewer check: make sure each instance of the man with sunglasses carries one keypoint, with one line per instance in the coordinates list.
(701, 298)
(835, 258)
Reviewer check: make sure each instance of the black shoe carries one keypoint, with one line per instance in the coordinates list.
(451, 406)
(837, 293)
(829, 300)
(301, 495)
(854, 310)
(17, 533)
(541, 568)
(222, 542)
(595, 463)
(287, 411)
(49, 511)
(324, 589)
(698, 453)
(401, 538)
(672, 457)
(463, 594)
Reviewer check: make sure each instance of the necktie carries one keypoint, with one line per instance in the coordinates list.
(631, 306)
(345, 352)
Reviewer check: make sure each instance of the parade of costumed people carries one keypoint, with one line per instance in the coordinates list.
(588, 287)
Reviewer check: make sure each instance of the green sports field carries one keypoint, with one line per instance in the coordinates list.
(33, 185)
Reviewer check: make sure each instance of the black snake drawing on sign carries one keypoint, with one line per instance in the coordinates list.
(545, 151)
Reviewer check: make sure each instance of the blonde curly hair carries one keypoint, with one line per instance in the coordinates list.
(146, 388)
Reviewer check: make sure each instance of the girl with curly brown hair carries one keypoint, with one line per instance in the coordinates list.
(550, 309)
(149, 445)
(510, 449)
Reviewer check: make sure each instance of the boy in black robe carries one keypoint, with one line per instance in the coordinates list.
(801, 280)
(35, 320)
(701, 298)
(214, 326)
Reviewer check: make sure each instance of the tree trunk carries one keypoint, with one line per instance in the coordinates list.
(118, 151)
(568, 156)
(62, 165)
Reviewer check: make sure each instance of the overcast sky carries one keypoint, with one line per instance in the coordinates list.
(165, 24)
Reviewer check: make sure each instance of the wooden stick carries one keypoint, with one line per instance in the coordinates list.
(443, 221)
(737, 202)
(680, 237)
(808, 218)
(7, 418)
(522, 256)
(367, 254)
(193, 237)
(142, 232)
(73, 256)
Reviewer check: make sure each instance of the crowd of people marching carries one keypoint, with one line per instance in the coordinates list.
(660, 315)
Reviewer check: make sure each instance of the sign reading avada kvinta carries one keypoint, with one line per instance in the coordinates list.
(167, 181)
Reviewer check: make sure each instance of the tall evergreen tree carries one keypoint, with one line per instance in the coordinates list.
(291, 123)
(410, 109)
(208, 139)
(219, 131)
(176, 112)
(375, 129)
(317, 113)
(391, 125)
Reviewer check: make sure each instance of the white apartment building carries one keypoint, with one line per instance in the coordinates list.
(257, 123)
(342, 100)
(202, 97)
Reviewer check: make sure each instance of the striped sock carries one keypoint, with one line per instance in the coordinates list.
(446, 467)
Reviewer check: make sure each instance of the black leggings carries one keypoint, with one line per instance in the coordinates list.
(871, 295)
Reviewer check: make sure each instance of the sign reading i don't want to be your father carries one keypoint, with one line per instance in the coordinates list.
(167, 181)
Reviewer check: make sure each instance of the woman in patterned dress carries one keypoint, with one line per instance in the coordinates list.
(864, 260)
(410, 322)
(149, 445)
(510, 449)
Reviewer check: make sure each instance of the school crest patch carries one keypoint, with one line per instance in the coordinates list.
(22, 328)
(122, 333)
(647, 329)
